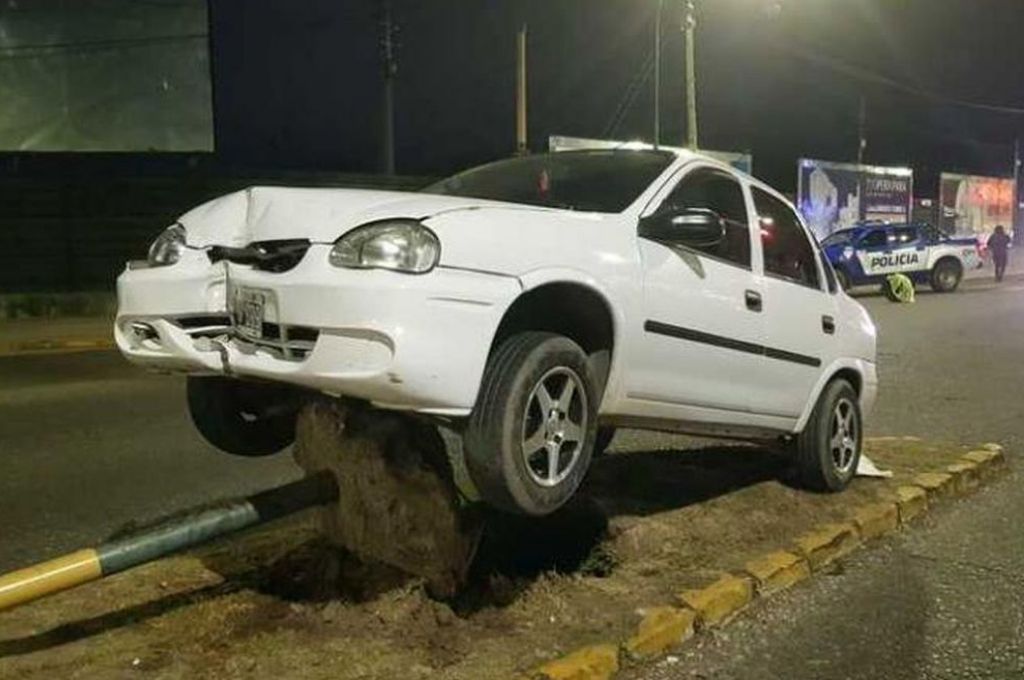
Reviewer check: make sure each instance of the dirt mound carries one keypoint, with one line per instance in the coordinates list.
(398, 502)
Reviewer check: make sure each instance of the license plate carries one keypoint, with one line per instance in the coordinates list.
(248, 311)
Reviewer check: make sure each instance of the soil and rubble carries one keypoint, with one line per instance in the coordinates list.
(289, 600)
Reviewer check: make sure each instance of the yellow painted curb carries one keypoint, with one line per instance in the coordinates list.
(986, 459)
(935, 483)
(661, 629)
(966, 476)
(828, 543)
(876, 519)
(717, 603)
(597, 662)
(912, 502)
(777, 571)
(55, 347)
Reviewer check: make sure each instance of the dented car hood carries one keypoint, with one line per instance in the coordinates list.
(319, 215)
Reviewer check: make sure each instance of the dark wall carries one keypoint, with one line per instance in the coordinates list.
(68, 222)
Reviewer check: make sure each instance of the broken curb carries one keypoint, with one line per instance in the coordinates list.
(828, 543)
(661, 629)
(935, 483)
(597, 662)
(777, 571)
(912, 502)
(719, 602)
(876, 519)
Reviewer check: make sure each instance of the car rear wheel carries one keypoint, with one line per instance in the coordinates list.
(530, 438)
(828, 450)
(946, 276)
(242, 418)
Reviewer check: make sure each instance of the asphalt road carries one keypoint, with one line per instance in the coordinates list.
(89, 444)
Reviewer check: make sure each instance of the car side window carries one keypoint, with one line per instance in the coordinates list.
(717, 191)
(904, 235)
(874, 239)
(788, 252)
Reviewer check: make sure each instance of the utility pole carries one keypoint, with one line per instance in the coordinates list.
(657, 73)
(862, 130)
(689, 31)
(390, 66)
(522, 143)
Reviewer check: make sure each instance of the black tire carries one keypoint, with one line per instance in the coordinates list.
(946, 276)
(843, 279)
(508, 476)
(241, 418)
(603, 440)
(821, 466)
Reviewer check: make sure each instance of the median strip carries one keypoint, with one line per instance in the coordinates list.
(666, 627)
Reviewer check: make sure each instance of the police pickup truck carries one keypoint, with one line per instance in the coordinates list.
(867, 253)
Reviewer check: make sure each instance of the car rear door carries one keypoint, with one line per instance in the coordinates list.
(702, 326)
(799, 310)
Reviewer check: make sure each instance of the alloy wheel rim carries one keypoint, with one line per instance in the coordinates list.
(554, 426)
(844, 436)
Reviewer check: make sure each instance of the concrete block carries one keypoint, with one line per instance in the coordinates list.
(966, 476)
(912, 502)
(598, 662)
(661, 629)
(777, 571)
(827, 543)
(876, 519)
(720, 601)
(935, 483)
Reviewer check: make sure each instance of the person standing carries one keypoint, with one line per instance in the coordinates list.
(999, 245)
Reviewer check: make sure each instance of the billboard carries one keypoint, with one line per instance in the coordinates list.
(739, 160)
(974, 206)
(834, 196)
(105, 75)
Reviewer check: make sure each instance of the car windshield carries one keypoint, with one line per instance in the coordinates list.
(838, 238)
(598, 181)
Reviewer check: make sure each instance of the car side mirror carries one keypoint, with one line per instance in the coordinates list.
(692, 227)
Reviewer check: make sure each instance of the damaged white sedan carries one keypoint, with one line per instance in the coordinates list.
(532, 305)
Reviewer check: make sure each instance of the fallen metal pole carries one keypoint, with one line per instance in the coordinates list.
(82, 566)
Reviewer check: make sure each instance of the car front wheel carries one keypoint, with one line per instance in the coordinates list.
(241, 418)
(828, 450)
(530, 438)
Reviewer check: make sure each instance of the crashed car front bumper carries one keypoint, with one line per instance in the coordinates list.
(409, 342)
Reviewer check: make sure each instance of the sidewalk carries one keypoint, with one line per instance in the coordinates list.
(44, 336)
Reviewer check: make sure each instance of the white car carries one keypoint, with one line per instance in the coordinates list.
(533, 305)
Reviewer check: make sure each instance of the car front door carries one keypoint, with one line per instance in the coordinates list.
(890, 250)
(702, 325)
(799, 310)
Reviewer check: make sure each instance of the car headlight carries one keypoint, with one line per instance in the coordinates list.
(167, 248)
(399, 245)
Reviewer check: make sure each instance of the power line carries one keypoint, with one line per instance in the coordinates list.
(866, 75)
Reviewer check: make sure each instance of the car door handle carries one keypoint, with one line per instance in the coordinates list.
(828, 324)
(753, 300)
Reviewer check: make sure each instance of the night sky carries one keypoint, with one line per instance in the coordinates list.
(297, 82)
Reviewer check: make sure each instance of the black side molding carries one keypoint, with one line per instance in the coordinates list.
(692, 335)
